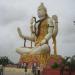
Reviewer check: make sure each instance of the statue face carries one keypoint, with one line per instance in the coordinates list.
(41, 13)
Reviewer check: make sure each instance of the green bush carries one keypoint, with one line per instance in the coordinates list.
(55, 65)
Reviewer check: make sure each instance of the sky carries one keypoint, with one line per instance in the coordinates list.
(17, 13)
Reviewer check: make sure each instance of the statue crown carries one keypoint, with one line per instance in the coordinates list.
(42, 7)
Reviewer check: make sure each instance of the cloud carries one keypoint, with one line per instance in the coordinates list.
(9, 12)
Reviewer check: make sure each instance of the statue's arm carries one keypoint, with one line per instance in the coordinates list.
(55, 21)
(31, 38)
(50, 32)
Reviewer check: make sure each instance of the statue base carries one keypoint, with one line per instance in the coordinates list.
(44, 59)
(39, 59)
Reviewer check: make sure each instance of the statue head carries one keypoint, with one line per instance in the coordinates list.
(42, 11)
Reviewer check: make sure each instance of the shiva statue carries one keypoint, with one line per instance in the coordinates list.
(42, 31)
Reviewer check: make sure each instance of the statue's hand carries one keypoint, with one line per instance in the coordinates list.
(32, 20)
(19, 32)
(38, 45)
(43, 41)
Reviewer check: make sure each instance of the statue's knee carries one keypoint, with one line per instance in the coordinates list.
(45, 47)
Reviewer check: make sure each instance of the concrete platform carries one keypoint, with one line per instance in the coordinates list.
(16, 71)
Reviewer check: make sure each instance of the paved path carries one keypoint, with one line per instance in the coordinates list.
(15, 71)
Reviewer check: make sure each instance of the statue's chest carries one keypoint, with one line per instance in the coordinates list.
(43, 28)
